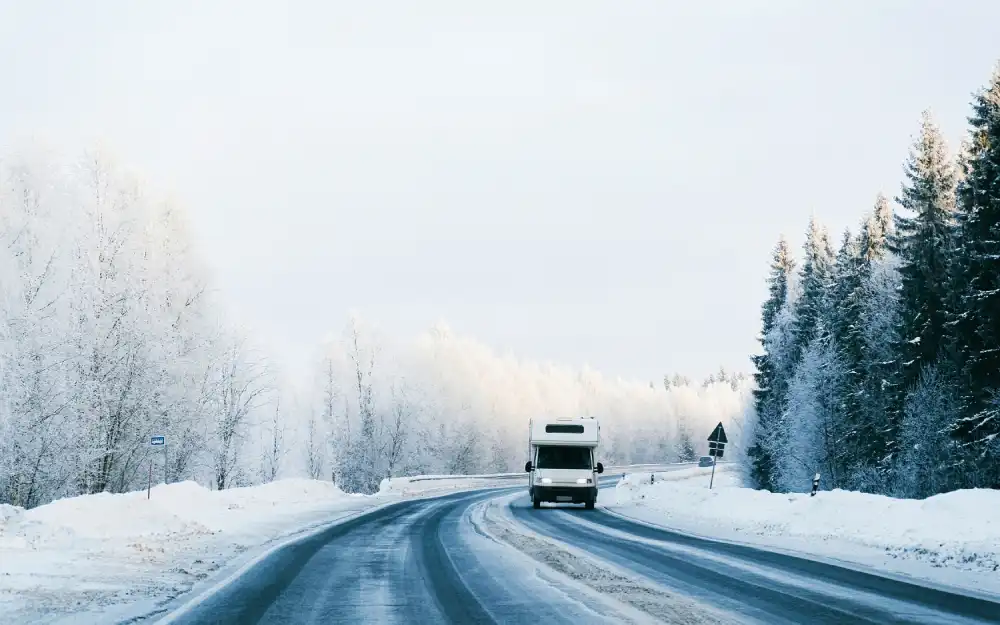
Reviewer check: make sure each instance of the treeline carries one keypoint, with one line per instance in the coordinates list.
(881, 360)
(735, 379)
(448, 404)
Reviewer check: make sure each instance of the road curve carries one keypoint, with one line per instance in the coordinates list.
(418, 561)
(754, 585)
(425, 561)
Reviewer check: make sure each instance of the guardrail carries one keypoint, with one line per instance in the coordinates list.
(625, 468)
(482, 476)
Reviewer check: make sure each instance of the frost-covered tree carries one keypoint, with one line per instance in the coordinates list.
(36, 363)
(927, 451)
(908, 336)
(870, 428)
(108, 331)
(863, 299)
(811, 306)
(685, 449)
(241, 385)
(358, 460)
(796, 323)
(448, 404)
(314, 449)
(770, 375)
(812, 420)
(273, 448)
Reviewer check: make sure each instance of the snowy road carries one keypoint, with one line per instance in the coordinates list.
(418, 561)
(435, 561)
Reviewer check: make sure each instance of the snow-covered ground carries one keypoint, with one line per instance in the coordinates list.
(108, 558)
(951, 539)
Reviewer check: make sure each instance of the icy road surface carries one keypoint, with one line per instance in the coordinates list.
(419, 561)
(488, 557)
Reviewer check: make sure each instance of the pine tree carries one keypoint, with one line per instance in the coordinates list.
(923, 244)
(979, 328)
(771, 385)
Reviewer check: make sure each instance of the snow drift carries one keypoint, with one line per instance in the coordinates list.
(949, 531)
(109, 557)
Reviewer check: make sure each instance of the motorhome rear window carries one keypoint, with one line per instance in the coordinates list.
(564, 429)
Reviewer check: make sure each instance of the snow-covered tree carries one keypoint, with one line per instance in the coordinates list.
(979, 319)
(273, 448)
(241, 384)
(811, 305)
(923, 242)
(772, 370)
(813, 419)
(108, 331)
(927, 451)
(685, 449)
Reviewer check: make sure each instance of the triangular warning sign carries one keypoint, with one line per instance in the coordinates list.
(718, 435)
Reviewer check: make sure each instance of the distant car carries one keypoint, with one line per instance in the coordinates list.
(705, 461)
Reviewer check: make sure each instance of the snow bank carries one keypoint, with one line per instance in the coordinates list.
(437, 484)
(105, 557)
(951, 531)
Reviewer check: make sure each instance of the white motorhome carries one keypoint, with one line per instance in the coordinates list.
(562, 467)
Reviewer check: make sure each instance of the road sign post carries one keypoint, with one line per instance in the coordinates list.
(156, 441)
(716, 448)
(712, 479)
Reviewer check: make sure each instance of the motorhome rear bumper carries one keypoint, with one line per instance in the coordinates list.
(579, 494)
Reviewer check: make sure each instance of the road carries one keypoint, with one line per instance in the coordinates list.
(429, 561)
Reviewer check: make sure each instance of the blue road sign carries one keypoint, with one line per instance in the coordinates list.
(156, 441)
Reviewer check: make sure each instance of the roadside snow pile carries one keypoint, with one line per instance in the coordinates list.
(177, 510)
(427, 484)
(127, 554)
(724, 474)
(107, 558)
(103, 550)
(953, 530)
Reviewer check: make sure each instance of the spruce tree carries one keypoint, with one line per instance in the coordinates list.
(845, 281)
(769, 394)
(979, 332)
(845, 310)
(816, 280)
(923, 244)
(814, 424)
(796, 325)
(873, 341)
(926, 451)
(874, 237)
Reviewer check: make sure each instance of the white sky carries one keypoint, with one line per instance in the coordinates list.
(577, 181)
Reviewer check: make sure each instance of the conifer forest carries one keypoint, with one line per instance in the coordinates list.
(879, 365)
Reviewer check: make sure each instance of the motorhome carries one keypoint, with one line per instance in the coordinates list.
(562, 465)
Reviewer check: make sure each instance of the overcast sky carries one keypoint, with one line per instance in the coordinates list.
(581, 182)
